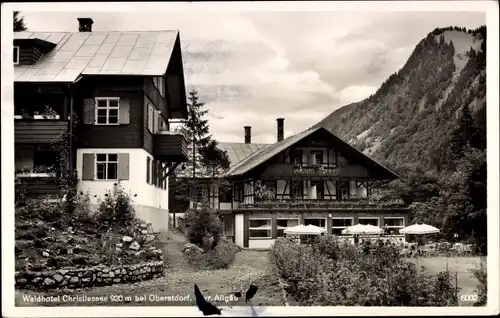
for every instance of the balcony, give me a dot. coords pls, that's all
(38, 130)
(286, 170)
(353, 204)
(170, 146)
(37, 182)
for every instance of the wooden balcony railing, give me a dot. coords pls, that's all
(325, 204)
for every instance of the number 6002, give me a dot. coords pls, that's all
(468, 298)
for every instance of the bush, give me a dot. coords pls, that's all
(222, 256)
(202, 225)
(116, 209)
(333, 273)
(482, 287)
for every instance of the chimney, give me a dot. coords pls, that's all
(248, 134)
(280, 128)
(85, 24)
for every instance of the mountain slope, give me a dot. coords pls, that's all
(410, 117)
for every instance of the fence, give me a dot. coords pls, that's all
(460, 272)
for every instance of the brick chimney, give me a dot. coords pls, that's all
(85, 24)
(280, 128)
(248, 134)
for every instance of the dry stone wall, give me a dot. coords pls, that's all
(88, 277)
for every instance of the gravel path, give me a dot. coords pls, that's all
(176, 287)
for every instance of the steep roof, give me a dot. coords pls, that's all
(98, 53)
(267, 153)
(264, 154)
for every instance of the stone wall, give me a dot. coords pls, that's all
(88, 277)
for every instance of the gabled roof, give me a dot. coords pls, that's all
(235, 151)
(267, 153)
(264, 154)
(239, 151)
(98, 53)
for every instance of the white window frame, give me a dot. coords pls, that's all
(270, 229)
(284, 227)
(392, 226)
(369, 218)
(107, 108)
(317, 218)
(106, 162)
(16, 62)
(341, 227)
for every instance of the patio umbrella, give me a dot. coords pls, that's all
(305, 230)
(362, 229)
(419, 229)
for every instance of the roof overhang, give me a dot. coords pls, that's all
(42, 45)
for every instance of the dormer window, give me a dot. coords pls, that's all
(16, 55)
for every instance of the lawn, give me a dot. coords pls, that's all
(459, 265)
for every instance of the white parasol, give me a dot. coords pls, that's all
(362, 229)
(419, 229)
(305, 230)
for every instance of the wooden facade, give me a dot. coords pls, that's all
(39, 131)
(317, 179)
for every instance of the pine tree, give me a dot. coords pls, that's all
(19, 24)
(197, 129)
(462, 136)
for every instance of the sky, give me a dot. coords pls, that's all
(253, 67)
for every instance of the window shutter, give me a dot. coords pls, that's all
(155, 121)
(124, 111)
(88, 166)
(148, 170)
(123, 166)
(153, 168)
(150, 118)
(89, 111)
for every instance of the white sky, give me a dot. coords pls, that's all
(253, 67)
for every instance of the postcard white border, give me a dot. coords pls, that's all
(7, 130)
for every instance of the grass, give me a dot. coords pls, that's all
(459, 265)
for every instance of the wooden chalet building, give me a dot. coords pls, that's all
(123, 87)
(313, 177)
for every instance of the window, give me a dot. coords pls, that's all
(16, 55)
(259, 228)
(298, 190)
(225, 195)
(283, 224)
(338, 224)
(107, 110)
(392, 225)
(297, 157)
(321, 222)
(344, 193)
(320, 189)
(238, 192)
(107, 166)
(318, 156)
(368, 221)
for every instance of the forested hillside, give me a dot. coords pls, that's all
(428, 123)
(411, 116)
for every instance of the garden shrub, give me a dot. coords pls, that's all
(336, 273)
(482, 286)
(222, 256)
(203, 224)
(116, 209)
